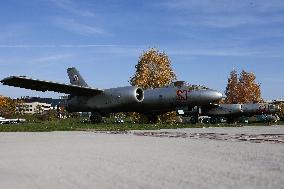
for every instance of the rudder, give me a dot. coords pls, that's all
(76, 78)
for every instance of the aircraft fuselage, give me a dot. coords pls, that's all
(156, 101)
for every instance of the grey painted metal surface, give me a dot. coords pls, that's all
(260, 108)
(169, 98)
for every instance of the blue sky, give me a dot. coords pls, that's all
(205, 40)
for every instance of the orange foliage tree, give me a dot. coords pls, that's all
(281, 112)
(7, 107)
(249, 89)
(152, 71)
(242, 89)
(232, 88)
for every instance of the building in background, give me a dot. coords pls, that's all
(32, 105)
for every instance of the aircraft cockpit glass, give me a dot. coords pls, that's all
(179, 83)
(198, 87)
(185, 84)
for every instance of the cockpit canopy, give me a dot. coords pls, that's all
(185, 84)
(180, 83)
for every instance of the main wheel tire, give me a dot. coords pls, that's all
(96, 117)
(152, 118)
(231, 121)
(213, 120)
(193, 120)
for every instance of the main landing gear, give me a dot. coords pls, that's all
(96, 117)
(152, 118)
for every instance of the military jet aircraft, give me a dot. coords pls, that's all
(233, 111)
(151, 102)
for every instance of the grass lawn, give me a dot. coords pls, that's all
(78, 125)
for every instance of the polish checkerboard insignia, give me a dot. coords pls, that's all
(75, 78)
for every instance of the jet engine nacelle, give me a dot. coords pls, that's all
(129, 94)
(115, 100)
(225, 109)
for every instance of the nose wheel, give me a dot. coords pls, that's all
(96, 117)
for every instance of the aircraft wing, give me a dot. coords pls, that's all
(40, 85)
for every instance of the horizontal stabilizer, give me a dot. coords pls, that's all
(40, 85)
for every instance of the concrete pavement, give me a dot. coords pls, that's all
(140, 160)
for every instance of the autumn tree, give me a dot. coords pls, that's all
(281, 112)
(7, 107)
(232, 88)
(152, 71)
(242, 89)
(249, 89)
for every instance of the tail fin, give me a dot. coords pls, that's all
(76, 78)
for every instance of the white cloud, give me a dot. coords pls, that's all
(71, 7)
(58, 46)
(238, 51)
(13, 31)
(221, 6)
(226, 13)
(52, 58)
(79, 28)
(217, 21)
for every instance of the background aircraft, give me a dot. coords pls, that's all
(11, 121)
(151, 102)
(232, 112)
